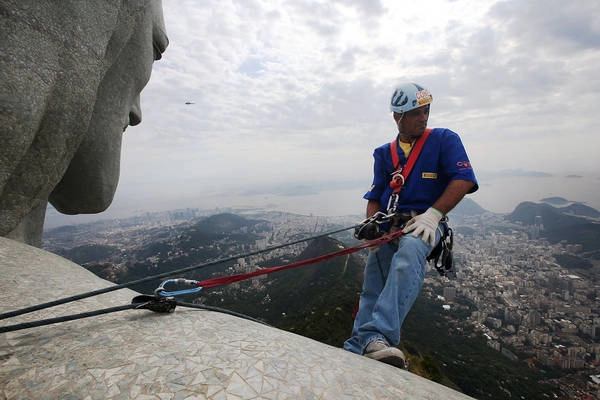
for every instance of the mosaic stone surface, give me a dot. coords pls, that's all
(187, 354)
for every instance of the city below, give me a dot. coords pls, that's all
(534, 301)
(526, 303)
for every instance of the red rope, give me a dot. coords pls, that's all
(224, 280)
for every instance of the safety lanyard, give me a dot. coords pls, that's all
(401, 174)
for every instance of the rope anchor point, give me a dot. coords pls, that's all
(159, 304)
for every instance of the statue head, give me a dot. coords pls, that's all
(73, 73)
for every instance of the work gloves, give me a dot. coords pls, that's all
(425, 225)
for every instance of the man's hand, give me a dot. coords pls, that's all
(425, 225)
(367, 230)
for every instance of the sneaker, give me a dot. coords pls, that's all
(380, 350)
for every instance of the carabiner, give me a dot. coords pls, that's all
(160, 291)
(393, 203)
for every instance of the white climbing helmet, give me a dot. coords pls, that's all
(409, 96)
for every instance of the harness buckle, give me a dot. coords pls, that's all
(397, 180)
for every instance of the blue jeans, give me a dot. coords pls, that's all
(393, 279)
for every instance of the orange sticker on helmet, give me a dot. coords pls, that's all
(423, 97)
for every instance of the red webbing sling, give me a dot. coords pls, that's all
(401, 174)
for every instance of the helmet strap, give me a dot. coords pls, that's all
(398, 121)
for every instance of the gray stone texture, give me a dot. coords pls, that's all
(188, 354)
(71, 72)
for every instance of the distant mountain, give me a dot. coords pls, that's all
(555, 201)
(326, 293)
(582, 210)
(572, 207)
(225, 223)
(506, 173)
(564, 223)
(467, 208)
(553, 217)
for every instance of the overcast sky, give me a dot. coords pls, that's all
(291, 97)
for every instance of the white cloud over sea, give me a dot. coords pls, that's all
(290, 97)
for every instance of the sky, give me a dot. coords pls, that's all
(290, 97)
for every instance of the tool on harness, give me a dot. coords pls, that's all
(155, 303)
(441, 256)
(400, 174)
(369, 228)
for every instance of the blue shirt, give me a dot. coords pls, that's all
(443, 159)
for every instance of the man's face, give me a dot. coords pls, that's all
(414, 122)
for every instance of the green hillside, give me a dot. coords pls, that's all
(314, 300)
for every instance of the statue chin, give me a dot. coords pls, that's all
(88, 185)
(85, 192)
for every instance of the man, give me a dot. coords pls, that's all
(439, 179)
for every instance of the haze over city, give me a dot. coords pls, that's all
(281, 103)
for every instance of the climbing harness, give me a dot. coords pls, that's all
(401, 173)
(441, 255)
(370, 227)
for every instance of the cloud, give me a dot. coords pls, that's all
(552, 27)
(298, 90)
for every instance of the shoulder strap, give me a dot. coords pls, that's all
(397, 182)
(394, 151)
(416, 150)
(414, 153)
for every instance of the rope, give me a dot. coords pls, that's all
(109, 289)
(210, 283)
(73, 317)
(221, 310)
(49, 321)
